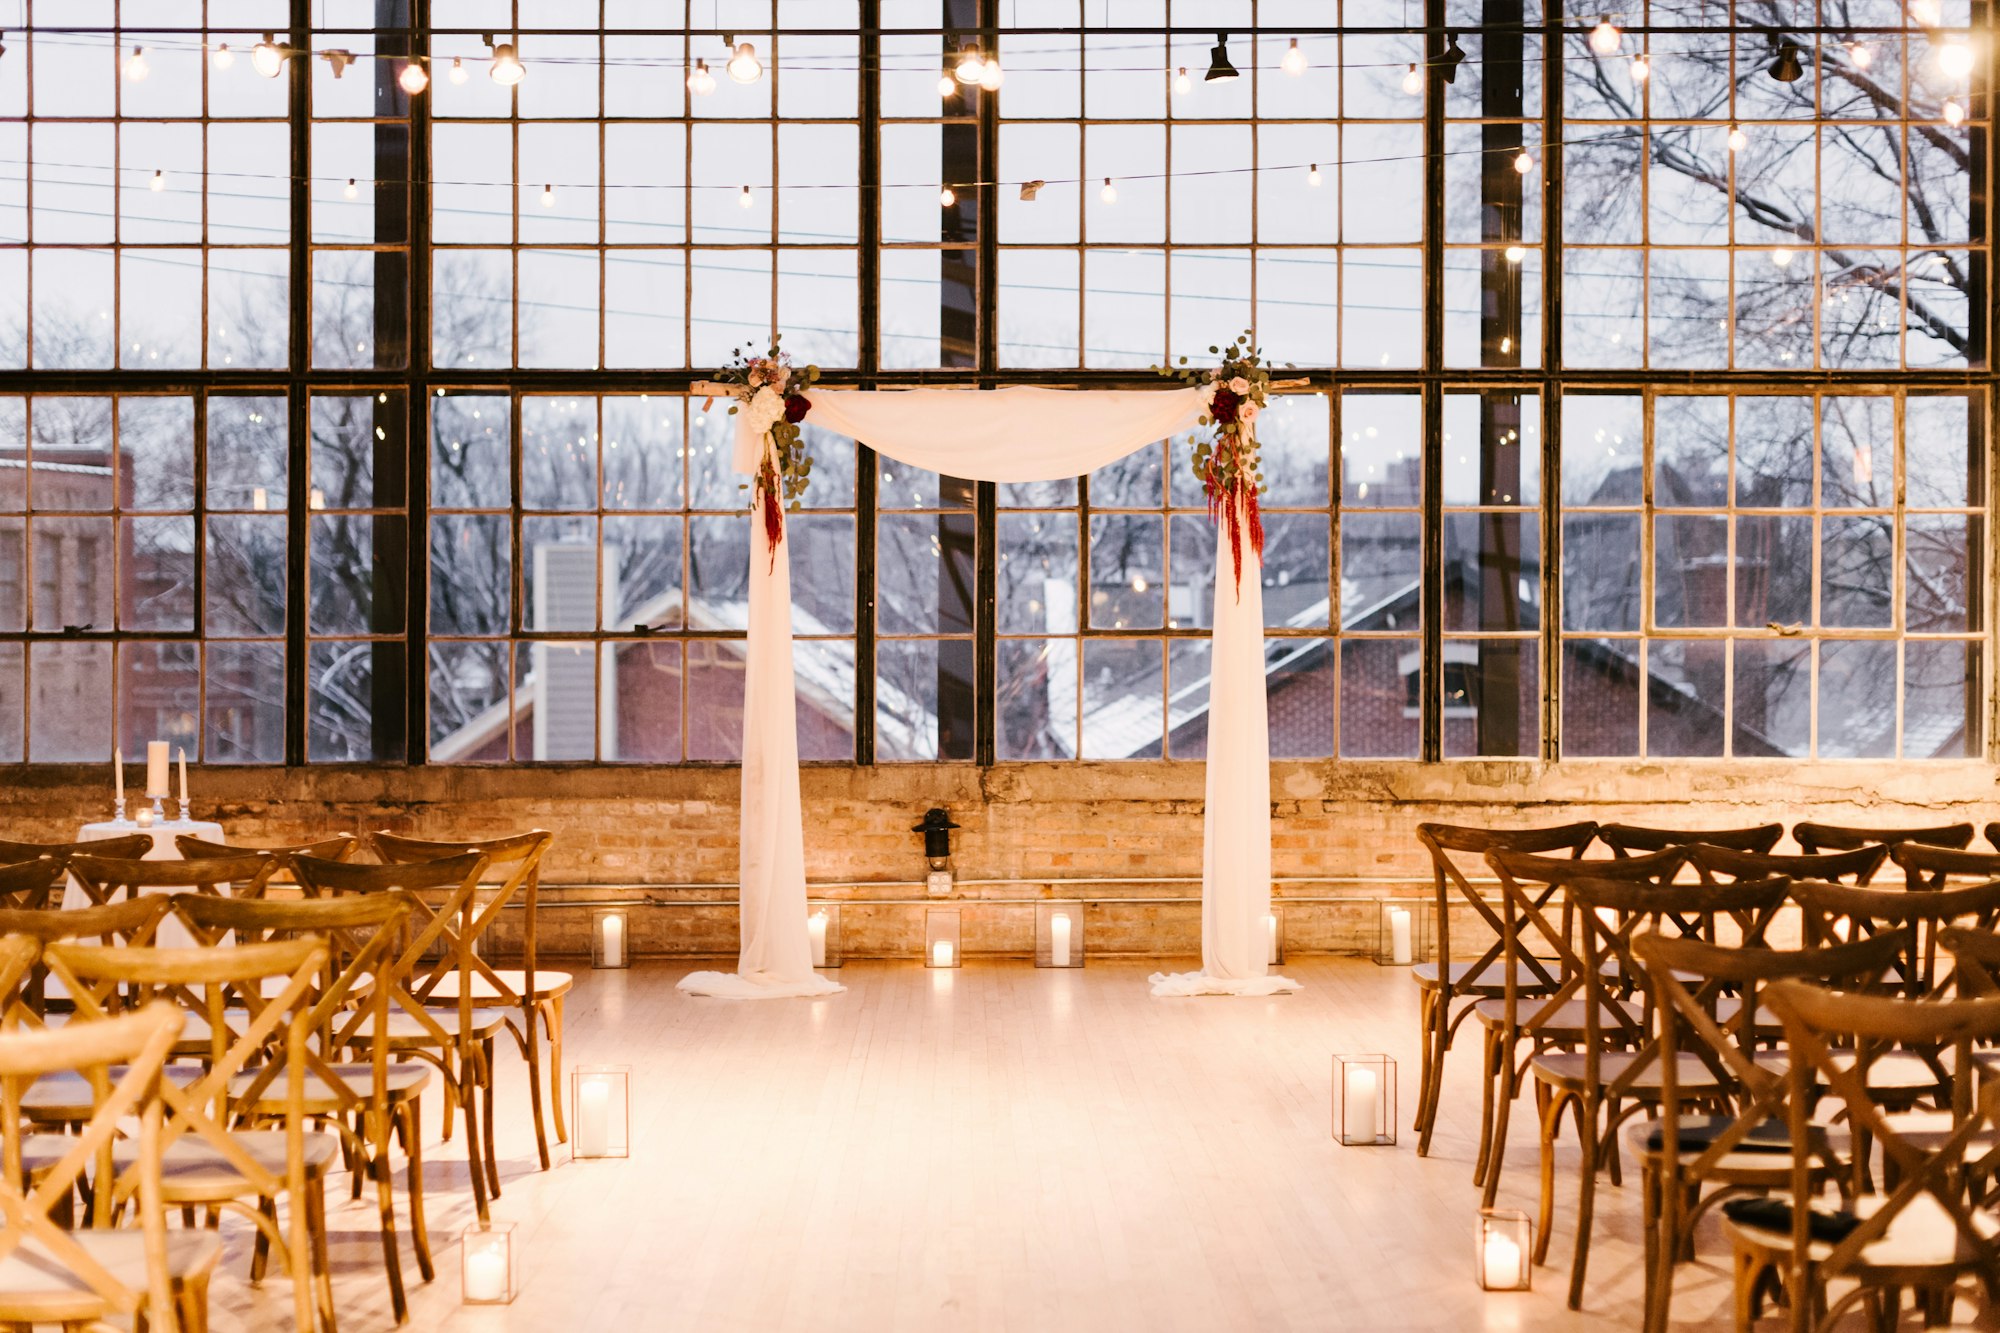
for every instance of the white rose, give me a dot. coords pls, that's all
(765, 408)
(1239, 386)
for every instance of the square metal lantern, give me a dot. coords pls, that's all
(1504, 1250)
(486, 1264)
(1059, 934)
(1274, 935)
(1405, 931)
(941, 938)
(1364, 1100)
(823, 933)
(610, 937)
(600, 1111)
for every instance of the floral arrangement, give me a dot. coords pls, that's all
(770, 393)
(1227, 465)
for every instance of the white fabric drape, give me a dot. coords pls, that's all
(1002, 435)
(775, 957)
(1236, 818)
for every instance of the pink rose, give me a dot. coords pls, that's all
(1239, 386)
(1249, 414)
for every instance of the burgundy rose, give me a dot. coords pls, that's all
(796, 407)
(1223, 409)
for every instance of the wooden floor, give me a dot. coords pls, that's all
(997, 1148)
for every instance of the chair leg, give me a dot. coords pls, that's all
(468, 1097)
(532, 1048)
(486, 1094)
(321, 1265)
(1743, 1269)
(392, 1259)
(453, 1077)
(552, 1012)
(1417, 1121)
(1439, 1044)
(1504, 1092)
(260, 1253)
(1551, 1119)
(191, 1304)
(1660, 1221)
(1586, 1132)
(420, 1234)
(1489, 1074)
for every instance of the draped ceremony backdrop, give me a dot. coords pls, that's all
(1009, 435)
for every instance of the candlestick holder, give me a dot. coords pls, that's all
(183, 803)
(1364, 1101)
(1503, 1247)
(941, 938)
(823, 934)
(159, 810)
(486, 1264)
(118, 810)
(600, 1111)
(1059, 934)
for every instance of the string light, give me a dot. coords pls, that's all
(136, 68)
(1642, 68)
(1738, 140)
(352, 191)
(1413, 80)
(1524, 162)
(222, 57)
(1182, 84)
(946, 198)
(458, 74)
(969, 66)
(990, 77)
(158, 183)
(946, 84)
(506, 68)
(1516, 253)
(1312, 176)
(414, 78)
(1926, 12)
(548, 196)
(1294, 62)
(744, 67)
(1955, 58)
(700, 82)
(267, 57)
(1605, 39)
(1782, 257)
(1860, 55)
(1954, 114)
(745, 199)
(1109, 194)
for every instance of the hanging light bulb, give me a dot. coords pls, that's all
(946, 198)
(136, 68)
(946, 84)
(700, 82)
(268, 58)
(414, 78)
(1642, 68)
(1219, 68)
(222, 57)
(1294, 62)
(746, 199)
(1860, 55)
(505, 68)
(1782, 257)
(159, 181)
(1312, 176)
(1605, 38)
(1524, 162)
(992, 76)
(353, 191)
(969, 66)
(458, 74)
(1738, 140)
(1109, 194)
(1182, 84)
(548, 196)
(1926, 12)
(1413, 80)
(1955, 58)
(1954, 114)
(744, 67)
(1516, 253)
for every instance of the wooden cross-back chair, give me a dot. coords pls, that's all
(132, 922)
(207, 1160)
(1627, 839)
(370, 1103)
(1447, 990)
(1618, 1072)
(1816, 838)
(1539, 963)
(538, 992)
(337, 848)
(1726, 864)
(1928, 867)
(458, 1040)
(130, 847)
(1739, 1144)
(30, 884)
(1922, 1234)
(50, 1273)
(105, 879)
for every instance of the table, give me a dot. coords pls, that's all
(172, 934)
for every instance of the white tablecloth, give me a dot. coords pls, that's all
(172, 934)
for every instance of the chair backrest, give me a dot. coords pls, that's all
(1837, 912)
(1625, 839)
(1816, 838)
(130, 847)
(518, 856)
(28, 884)
(1832, 1039)
(1928, 867)
(107, 878)
(1723, 864)
(120, 1059)
(131, 921)
(339, 847)
(1446, 842)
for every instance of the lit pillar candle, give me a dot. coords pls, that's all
(941, 953)
(1399, 935)
(1502, 1261)
(816, 932)
(1271, 929)
(183, 762)
(614, 940)
(156, 768)
(1363, 1104)
(486, 1274)
(593, 1118)
(1059, 939)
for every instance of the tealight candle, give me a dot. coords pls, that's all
(143, 817)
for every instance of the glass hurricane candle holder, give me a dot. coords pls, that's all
(1404, 931)
(823, 933)
(486, 1264)
(600, 1111)
(941, 939)
(1504, 1248)
(1364, 1100)
(610, 937)
(1059, 934)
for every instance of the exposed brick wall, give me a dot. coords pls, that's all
(669, 835)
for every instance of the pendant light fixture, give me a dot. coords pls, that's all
(700, 82)
(969, 65)
(1453, 57)
(743, 66)
(1785, 66)
(1605, 38)
(268, 58)
(506, 68)
(1219, 68)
